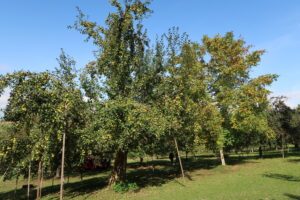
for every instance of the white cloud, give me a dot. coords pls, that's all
(3, 68)
(4, 98)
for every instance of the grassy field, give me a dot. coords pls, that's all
(243, 178)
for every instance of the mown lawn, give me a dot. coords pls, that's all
(243, 178)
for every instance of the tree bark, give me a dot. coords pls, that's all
(180, 163)
(62, 167)
(222, 157)
(119, 169)
(28, 181)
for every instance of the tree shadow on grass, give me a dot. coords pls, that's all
(159, 172)
(294, 160)
(71, 189)
(267, 155)
(282, 177)
(152, 173)
(292, 196)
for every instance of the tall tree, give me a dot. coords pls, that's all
(69, 113)
(295, 125)
(229, 62)
(280, 120)
(120, 66)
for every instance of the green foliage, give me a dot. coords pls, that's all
(42, 107)
(125, 187)
(124, 125)
(295, 126)
(242, 100)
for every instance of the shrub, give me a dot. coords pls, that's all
(125, 187)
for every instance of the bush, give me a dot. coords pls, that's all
(125, 187)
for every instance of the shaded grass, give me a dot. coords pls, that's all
(245, 177)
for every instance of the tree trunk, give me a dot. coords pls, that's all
(282, 146)
(52, 181)
(222, 157)
(141, 160)
(260, 152)
(119, 169)
(57, 175)
(62, 167)
(17, 180)
(39, 181)
(28, 181)
(186, 155)
(181, 167)
(81, 175)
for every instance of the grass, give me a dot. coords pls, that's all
(243, 178)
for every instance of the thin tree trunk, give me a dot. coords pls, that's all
(41, 181)
(282, 146)
(38, 181)
(260, 152)
(62, 167)
(141, 160)
(28, 181)
(57, 175)
(52, 181)
(81, 175)
(222, 157)
(180, 163)
(16, 187)
(119, 169)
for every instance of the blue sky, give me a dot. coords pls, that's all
(33, 32)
